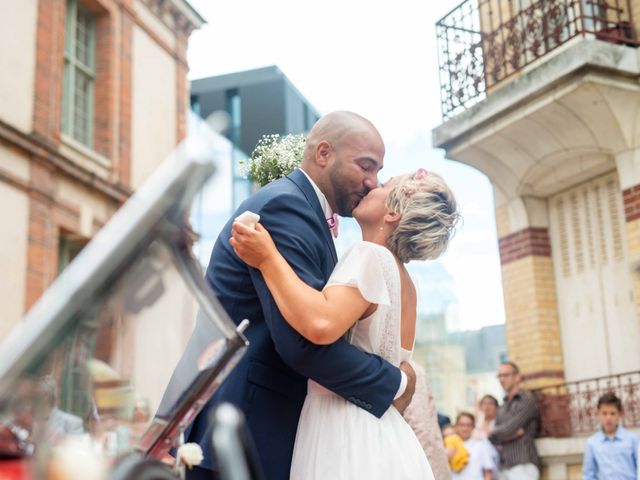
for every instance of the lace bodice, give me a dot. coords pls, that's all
(372, 269)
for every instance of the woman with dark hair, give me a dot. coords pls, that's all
(488, 407)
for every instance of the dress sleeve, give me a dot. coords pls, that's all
(364, 267)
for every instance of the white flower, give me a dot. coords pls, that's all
(274, 157)
(190, 454)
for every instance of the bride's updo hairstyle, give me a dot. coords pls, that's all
(428, 216)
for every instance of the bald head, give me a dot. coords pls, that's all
(335, 128)
(343, 154)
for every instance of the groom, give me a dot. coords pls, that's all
(342, 157)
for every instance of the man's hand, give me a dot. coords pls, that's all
(402, 402)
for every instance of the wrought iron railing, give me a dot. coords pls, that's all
(571, 408)
(482, 42)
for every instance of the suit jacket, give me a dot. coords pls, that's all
(269, 383)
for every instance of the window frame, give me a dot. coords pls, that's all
(73, 68)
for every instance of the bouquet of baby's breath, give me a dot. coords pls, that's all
(274, 157)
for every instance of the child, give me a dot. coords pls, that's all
(457, 452)
(611, 452)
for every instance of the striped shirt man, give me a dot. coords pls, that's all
(515, 430)
(514, 433)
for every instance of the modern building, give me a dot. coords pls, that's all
(258, 102)
(543, 98)
(255, 103)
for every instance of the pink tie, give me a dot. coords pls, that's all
(332, 222)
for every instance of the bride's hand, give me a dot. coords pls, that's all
(254, 247)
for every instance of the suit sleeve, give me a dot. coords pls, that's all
(362, 378)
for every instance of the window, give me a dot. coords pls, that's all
(69, 246)
(241, 185)
(234, 108)
(195, 105)
(79, 73)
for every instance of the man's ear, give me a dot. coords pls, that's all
(323, 153)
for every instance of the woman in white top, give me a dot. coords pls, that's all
(488, 407)
(371, 297)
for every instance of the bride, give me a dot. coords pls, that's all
(371, 298)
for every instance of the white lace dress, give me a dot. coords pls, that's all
(336, 439)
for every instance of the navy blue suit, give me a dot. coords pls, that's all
(270, 382)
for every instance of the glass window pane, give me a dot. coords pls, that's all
(78, 83)
(82, 38)
(81, 107)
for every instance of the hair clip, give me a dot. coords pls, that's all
(420, 174)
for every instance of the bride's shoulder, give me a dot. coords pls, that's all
(376, 249)
(365, 246)
(368, 251)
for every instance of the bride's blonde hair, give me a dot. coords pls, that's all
(428, 216)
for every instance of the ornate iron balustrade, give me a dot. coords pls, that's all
(571, 408)
(482, 42)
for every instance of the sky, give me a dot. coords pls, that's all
(379, 59)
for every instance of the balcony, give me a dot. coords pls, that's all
(483, 42)
(570, 409)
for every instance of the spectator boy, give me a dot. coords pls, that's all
(612, 451)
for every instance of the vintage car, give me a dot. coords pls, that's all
(83, 376)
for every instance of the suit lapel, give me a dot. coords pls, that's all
(302, 182)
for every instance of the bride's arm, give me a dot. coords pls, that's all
(320, 317)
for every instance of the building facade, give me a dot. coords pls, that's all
(542, 97)
(83, 121)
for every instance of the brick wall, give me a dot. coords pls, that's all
(49, 70)
(532, 324)
(105, 93)
(123, 173)
(525, 243)
(631, 202)
(47, 218)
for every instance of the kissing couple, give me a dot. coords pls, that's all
(326, 376)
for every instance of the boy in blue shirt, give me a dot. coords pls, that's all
(611, 453)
